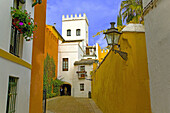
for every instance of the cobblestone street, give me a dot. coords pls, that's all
(67, 104)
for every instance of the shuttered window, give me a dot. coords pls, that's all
(65, 64)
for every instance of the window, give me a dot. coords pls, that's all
(12, 93)
(82, 74)
(68, 32)
(82, 87)
(77, 32)
(87, 51)
(65, 64)
(82, 68)
(16, 41)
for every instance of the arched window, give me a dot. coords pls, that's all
(77, 32)
(68, 32)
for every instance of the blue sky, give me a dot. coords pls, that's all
(99, 13)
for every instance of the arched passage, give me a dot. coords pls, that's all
(65, 89)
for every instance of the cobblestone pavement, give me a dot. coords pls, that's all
(68, 104)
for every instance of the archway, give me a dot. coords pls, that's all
(65, 89)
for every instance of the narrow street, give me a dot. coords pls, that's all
(68, 104)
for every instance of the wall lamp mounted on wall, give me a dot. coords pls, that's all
(112, 38)
(36, 2)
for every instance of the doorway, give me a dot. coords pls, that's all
(65, 90)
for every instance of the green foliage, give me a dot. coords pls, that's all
(23, 21)
(119, 20)
(49, 74)
(51, 95)
(132, 11)
(100, 32)
(57, 83)
(49, 66)
(48, 96)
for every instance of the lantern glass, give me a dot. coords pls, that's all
(109, 38)
(116, 38)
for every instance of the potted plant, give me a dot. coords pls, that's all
(22, 20)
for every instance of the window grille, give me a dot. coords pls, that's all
(65, 64)
(12, 93)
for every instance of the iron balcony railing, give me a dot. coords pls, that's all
(81, 74)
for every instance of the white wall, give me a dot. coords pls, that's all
(157, 26)
(73, 53)
(87, 57)
(5, 29)
(80, 52)
(5, 23)
(8, 68)
(77, 82)
(74, 23)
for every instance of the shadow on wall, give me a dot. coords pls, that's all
(121, 86)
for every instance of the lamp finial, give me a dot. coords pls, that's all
(112, 24)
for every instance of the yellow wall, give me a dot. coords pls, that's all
(36, 94)
(121, 86)
(101, 54)
(51, 45)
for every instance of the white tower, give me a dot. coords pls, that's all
(75, 28)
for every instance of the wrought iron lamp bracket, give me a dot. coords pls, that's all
(124, 55)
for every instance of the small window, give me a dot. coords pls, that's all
(12, 93)
(16, 42)
(65, 64)
(82, 68)
(81, 87)
(68, 32)
(78, 32)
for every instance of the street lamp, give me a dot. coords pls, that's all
(112, 37)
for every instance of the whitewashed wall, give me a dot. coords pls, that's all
(73, 23)
(5, 29)
(77, 82)
(157, 26)
(73, 53)
(8, 68)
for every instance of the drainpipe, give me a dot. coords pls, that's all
(36, 2)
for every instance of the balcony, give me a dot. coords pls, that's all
(81, 74)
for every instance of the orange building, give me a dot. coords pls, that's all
(36, 90)
(52, 37)
(46, 42)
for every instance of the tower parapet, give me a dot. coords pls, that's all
(75, 17)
